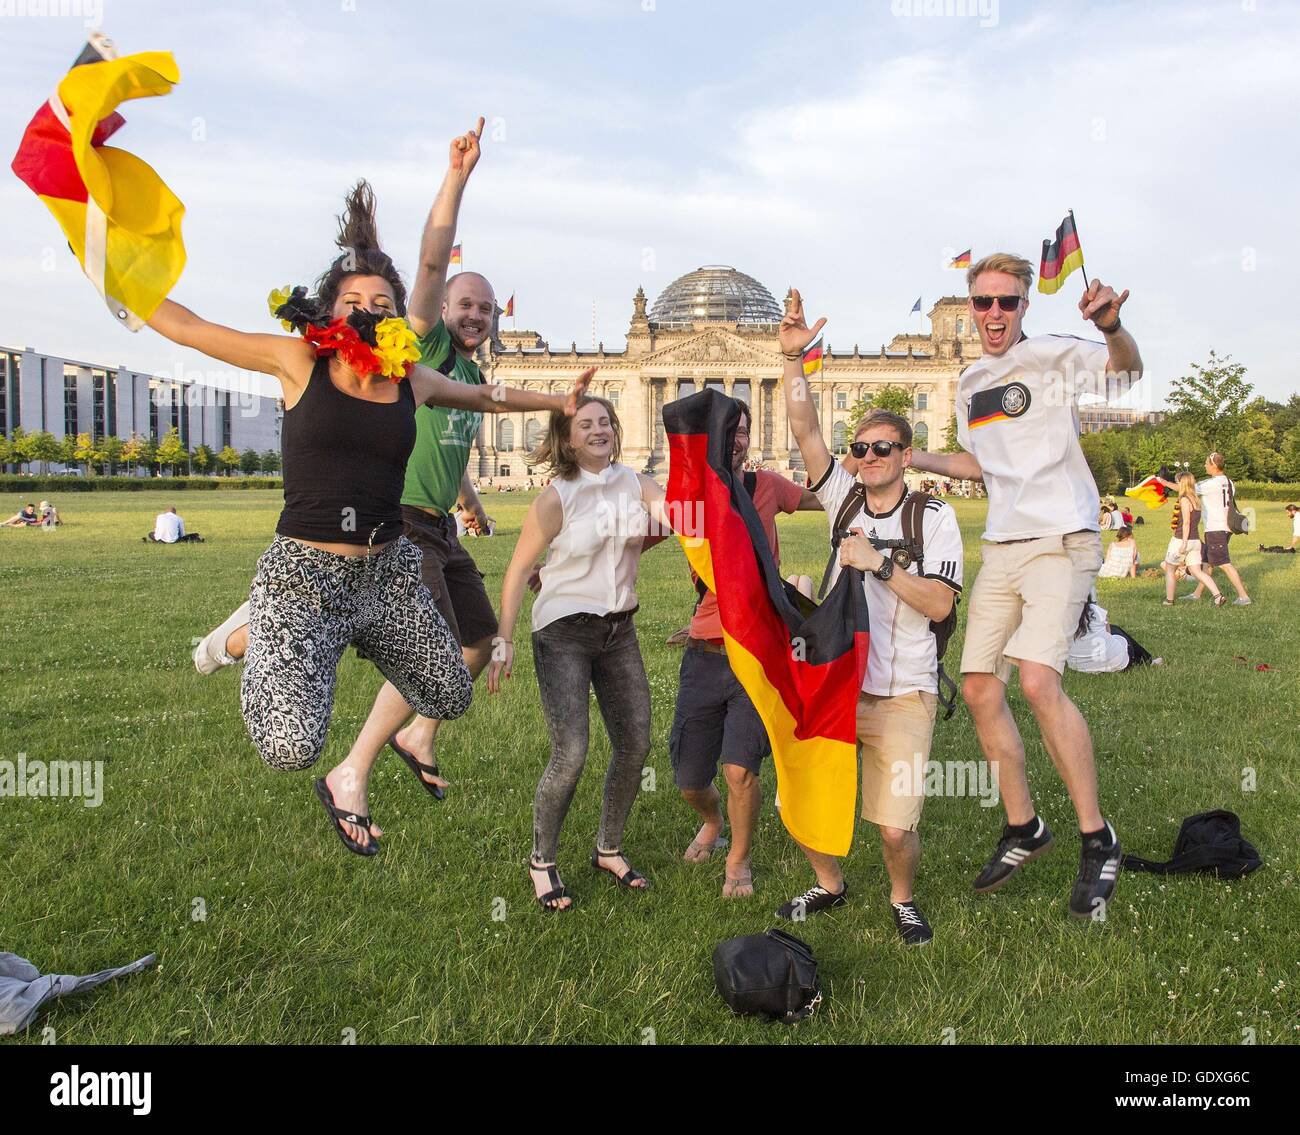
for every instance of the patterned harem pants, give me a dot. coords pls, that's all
(305, 608)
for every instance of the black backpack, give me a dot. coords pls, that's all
(914, 538)
(1209, 843)
(772, 974)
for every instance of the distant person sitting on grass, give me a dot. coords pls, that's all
(1293, 514)
(1121, 557)
(1100, 647)
(169, 528)
(49, 515)
(25, 517)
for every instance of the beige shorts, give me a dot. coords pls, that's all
(1026, 602)
(894, 744)
(1192, 559)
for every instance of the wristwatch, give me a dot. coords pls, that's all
(885, 570)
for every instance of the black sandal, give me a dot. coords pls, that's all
(408, 759)
(558, 890)
(338, 816)
(628, 877)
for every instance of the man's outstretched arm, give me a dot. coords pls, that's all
(425, 307)
(1100, 306)
(955, 466)
(799, 408)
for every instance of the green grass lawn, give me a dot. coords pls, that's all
(438, 938)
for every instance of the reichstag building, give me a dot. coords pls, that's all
(717, 328)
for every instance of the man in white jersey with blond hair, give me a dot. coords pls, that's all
(1018, 425)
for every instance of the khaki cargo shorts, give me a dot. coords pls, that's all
(1026, 602)
(894, 735)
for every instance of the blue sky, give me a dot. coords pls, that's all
(845, 148)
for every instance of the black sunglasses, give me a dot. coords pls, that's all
(1005, 303)
(880, 448)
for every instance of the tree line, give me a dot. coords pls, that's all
(107, 456)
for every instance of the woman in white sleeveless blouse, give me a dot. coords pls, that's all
(592, 521)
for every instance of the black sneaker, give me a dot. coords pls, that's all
(812, 901)
(1013, 852)
(1098, 872)
(911, 923)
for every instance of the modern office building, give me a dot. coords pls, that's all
(66, 397)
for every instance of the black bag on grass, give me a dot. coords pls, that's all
(772, 974)
(1210, 843)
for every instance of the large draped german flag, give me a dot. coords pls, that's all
(802, 671)
(122, 223)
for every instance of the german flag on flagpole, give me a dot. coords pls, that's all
(803, 674)
(961, 260)
(456, 256)
(812, 358)
(510, 306)
(1060, 257)
(122, 223)
(1149, 490)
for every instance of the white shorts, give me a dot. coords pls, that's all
(1191, 559)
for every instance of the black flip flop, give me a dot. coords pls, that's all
(408, 759)
(337, 815)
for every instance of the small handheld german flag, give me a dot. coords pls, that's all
(961, 260)
(812, 358)
(1060, 257)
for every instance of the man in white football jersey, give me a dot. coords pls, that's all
(899, 695)
(1217, 496)
(1018, 425)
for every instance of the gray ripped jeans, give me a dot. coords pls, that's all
(571, 656)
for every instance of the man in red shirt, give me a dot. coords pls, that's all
(715, 722)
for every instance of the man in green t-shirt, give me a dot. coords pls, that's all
(452, 319)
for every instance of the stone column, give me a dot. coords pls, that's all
(781, 450)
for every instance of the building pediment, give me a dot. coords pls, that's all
(722, 347)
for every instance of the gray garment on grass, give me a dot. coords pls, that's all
(24, 989)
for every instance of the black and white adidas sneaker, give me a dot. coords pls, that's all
(1099, 861)
(1013, 852)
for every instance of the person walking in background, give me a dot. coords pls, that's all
(1217, 496)
(1184, 549)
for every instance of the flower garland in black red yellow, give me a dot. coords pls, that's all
(366, 343)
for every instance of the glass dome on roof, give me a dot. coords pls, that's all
(714, 292)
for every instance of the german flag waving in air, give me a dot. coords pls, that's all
(122, 223)
(803, 673)
(1149, 490)
(1060, 257)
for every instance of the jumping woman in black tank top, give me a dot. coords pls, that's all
(340, 572)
